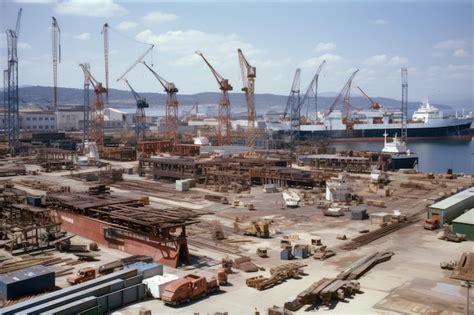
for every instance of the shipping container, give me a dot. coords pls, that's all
(27, 281)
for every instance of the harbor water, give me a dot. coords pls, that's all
(433, 156)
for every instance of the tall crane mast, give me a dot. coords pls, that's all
(292, 108)
(140, 117)
(171, 121)
(97, 110)
(404, 75)
(13, 111)
(373, 104)
(86, 117)
(56, 41)
(224, 123)
(105, 33)
(345, 95)
(312, 90)
(249, 73)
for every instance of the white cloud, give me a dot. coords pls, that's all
(376, 60)
(325, 47)
(94, 8)
(158, 17)
(451, 71)
(460, 53)
(316, 61)
(126, 25)
(36, 1)
(450, 44)
(83, 36)
(20, 45)
(183, 45)
(397, 61)
(378, 21)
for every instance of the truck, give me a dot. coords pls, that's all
(188, 288)
(82, 275)
(431, 224)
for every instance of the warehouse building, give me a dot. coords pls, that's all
(450, 208)
(464, 224)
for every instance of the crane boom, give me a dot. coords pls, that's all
(168, 86)
(249, 73)
(18, 20)
(345, 95)
(216, 74)
(373, 104)
(295, 89)
(140, 59)
(313, 88)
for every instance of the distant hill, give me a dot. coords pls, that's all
(42, 95)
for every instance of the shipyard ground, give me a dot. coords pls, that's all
(411, 282)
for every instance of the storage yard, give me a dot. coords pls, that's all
(320, 255)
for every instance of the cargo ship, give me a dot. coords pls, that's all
(427, 122)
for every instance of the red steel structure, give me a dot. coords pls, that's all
(223, 126)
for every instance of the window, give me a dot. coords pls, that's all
(52, 118)
(46, 118)
(34, 118)
(28, 118)
(34, 127)
(40, 118)
(40, 126)
(46, 127)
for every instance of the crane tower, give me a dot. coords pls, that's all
(249, 74)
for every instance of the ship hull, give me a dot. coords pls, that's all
(454, 132)
(404, 161)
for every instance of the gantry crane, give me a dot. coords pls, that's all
(373, 103)
(140, 117)
(224, 123)
(249, 73)
(293, 110)
(97, 110)
(105, 33)
(345, 95)
(404, 75)
(56, 41)
(11, 76)
(171, 121)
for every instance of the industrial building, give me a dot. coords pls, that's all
(450, 208)
(464, 224)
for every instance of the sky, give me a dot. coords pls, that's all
(433, 39)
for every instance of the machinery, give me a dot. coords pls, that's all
(188, 288)
(171, 107)
(312, 92)
(345, 95)
(83, 275)
(249, 74)
(96, 133)
(258, 229)
(431, 224)
(224, 132)
(140, 117)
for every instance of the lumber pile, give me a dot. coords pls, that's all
(277, 275)
(10, 266)
(340, 287)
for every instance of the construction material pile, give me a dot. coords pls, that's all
(344, 285)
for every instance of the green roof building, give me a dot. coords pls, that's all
(464, 224)
(450, 208)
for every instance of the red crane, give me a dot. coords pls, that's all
(171, 121)
(97, 110)
(345, 94)
(373, 104)
(223, 124)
